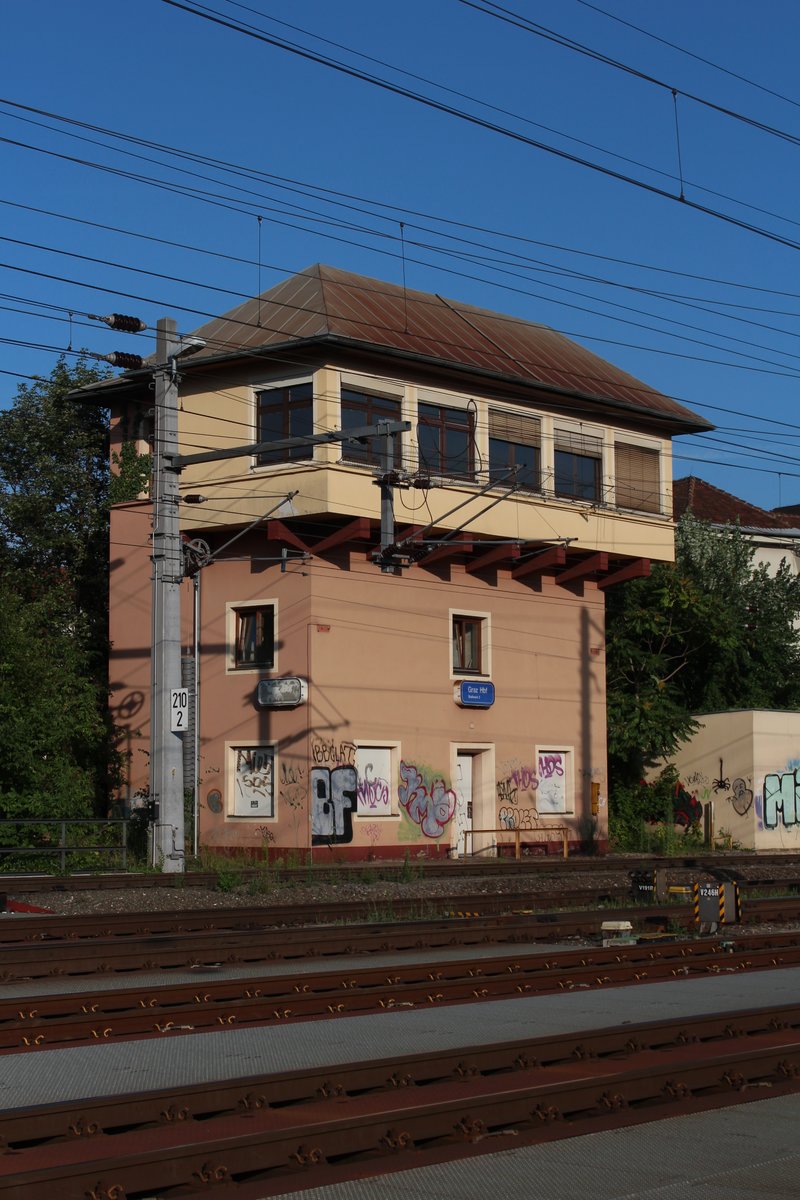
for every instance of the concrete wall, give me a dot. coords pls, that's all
(746, 766)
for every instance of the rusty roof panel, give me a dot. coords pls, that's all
(325, 302)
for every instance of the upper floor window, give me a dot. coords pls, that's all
(578, 462)
(446, 438)
(636, 470)
(515, 449)
(254, 644)
(468, 649)
(368, 408)
(285, 412)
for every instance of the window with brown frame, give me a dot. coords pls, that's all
(368, 408)
(446, 440)
(515, 449)
(254, 646)
(468, 650)
(285, 412)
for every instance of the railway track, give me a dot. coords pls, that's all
(90, 946)
(142, 1010)
(534, 866)
(263, 1135)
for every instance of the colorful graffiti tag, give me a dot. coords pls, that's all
(430, 809)
(782, 799)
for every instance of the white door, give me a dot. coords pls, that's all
(462, 818)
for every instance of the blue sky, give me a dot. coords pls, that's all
(694, 305)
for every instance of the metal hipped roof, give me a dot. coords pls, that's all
(326, 303)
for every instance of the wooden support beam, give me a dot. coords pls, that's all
(553, 556)
(447, 550)
(359, 529)
(495, 555)
(638, 569)
(278, 532)
(587, 566)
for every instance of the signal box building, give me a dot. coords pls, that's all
(432, 688)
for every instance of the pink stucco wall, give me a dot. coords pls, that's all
(376, 652)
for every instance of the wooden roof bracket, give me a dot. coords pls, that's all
(639, 568)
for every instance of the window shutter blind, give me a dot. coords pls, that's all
(637, 478)
(514, 427)
(578, 443)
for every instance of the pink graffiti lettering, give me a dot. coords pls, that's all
(550, 765)
(373, 792)
(430, 810)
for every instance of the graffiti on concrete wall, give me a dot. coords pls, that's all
(333, 800)
(551, 796)
(781, 800)
(374, 790)
(333, 787)
(253, 781)
(515, 780)
(687, 810)
(430, 806)
(293, 795)
(326, 752)
(741, 799)
(518, 818)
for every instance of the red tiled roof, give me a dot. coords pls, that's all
(326, 303)
(710, 503)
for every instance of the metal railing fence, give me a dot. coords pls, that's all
(50, 840)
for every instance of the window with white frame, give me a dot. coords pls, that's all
(637, 477)
(252, 781)
(555, 791)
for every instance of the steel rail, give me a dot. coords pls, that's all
(406, 1112)
(395, 871)
(43, 1022)
(162, 951)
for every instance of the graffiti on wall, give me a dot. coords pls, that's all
(293, 794)
(515, 779)
(333, 784)
(429, 807)
(781, 802)
(741, 800)
(253, 781)
(518, 818)
(551, 796)
(545, 787)
(686, 808)
(326, 752)
(333, 800)
(373, 790)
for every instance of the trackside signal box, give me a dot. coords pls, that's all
(716, 904)
(649, 885)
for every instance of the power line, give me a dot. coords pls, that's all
(690, 54)
(214, 17)
(323, 193)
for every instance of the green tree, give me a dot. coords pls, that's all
(51, 726)
(57, 741)
(54, 489)
(709, 633)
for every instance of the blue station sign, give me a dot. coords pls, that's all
(473, 694)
